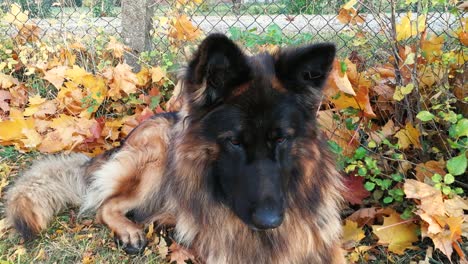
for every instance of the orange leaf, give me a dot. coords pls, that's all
(122, 79)
(339, 80)
(118, 49)
(428, 169)
(179, 254)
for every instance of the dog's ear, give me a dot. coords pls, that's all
(301, 69)
(218, 67)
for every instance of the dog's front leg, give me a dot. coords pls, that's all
(127, 233)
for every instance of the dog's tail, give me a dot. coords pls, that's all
(45, 189)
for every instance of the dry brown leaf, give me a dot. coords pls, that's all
(427, 170)
(5, 97)
(179, 254)
(431, 198)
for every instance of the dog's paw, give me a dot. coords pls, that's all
(132, 241)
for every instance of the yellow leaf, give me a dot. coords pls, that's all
(56, 76)
(349, 4)
(432, 47)
(7, 81)
(408, 136)
(455, 206)
(396, 233)
(402, 91)
(13, 129)
(157, 74)
(407, 27)
(118, 49)
(33, 139)
(182, 29)
(352, 234)
(431, 198)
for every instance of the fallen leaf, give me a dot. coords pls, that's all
(408, 136)
(56, 76)
(396, 233)
(5, 97)
(431, 198)
(179, 254)
(352, 234)
(427, 170)
(355, 192)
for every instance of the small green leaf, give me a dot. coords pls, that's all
(461, 129)
(369, 186)
(459, 190)
(388, 199)
(362, 171)
(437, 177)
(449, 179)
(397, 177)
(446, 190)
(457, 165)
(343, 66)
(360, 153)
(438, 186)
(425, 116)
(372, 144)
(335, 148)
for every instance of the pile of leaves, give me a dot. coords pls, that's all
(398, 128)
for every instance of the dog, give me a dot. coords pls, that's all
(242, 171)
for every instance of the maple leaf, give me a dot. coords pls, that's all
(432, 47)
(350, 16)
(408, 136)
(118, 49)
(355, 191)
(40, 107)
(396, 233)
(352, 234)
(179, 254)
(122, 79)
(12, 129)
(5, 97)
(7, 81)
(157, 74)
(364, 215)
(427, 170)
(431, 198)
(56, 76)
(182, 29)
(387, 130)
(407, 28)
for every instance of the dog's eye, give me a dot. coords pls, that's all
(235, 142)
(280, 140)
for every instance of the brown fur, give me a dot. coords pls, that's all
(159, 172)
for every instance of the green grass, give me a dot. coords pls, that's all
(67, 239)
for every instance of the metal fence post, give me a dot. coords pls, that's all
(136, 26)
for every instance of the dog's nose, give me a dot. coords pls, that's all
(267, 218)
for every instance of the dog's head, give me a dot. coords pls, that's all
(254, 111)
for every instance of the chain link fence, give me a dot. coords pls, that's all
(251, 21)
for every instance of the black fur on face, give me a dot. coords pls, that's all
(255, 109)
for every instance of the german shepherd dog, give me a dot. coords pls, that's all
(241, 171)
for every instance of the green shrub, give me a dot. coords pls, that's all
(37, 8)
